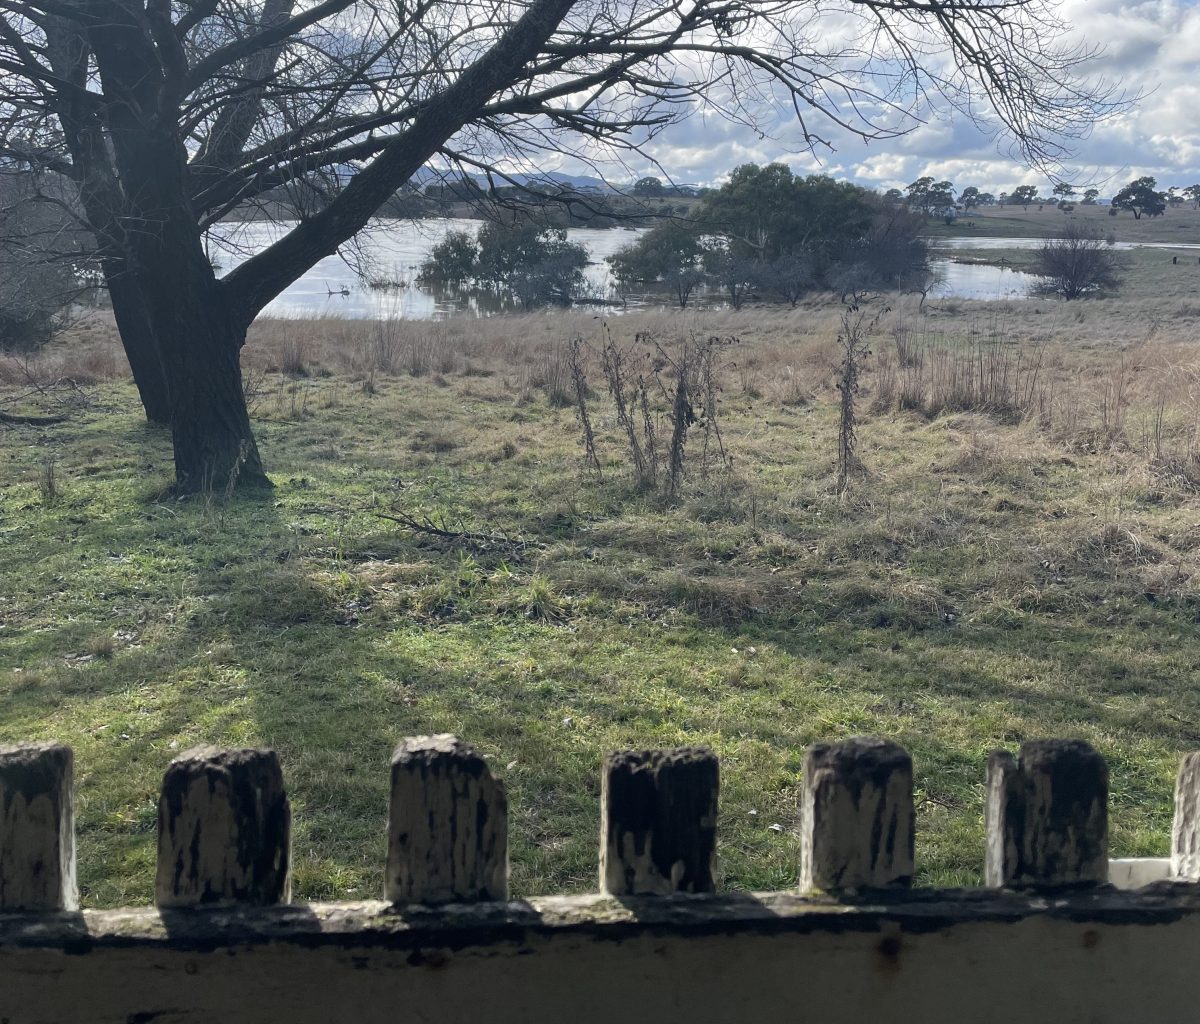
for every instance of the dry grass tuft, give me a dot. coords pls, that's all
(1115, 546)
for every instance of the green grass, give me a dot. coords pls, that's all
(979, 587)
(1179, 225)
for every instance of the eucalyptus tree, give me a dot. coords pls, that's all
(170, 115)
(1141, 196)
(1024, 195)
(672, 254)
(929, 196)
(769, 212)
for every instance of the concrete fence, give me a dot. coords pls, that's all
(1060, 934)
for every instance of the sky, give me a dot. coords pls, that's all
(1151, 47)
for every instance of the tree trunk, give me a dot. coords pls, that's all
(100, 194)
(195, 330)
(199, 340)
(195, 323)
(138, 340)
(214, 445)
(198, 337)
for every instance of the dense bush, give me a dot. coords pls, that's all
(768, 232)
(453, 260)
(536, 264)
(670, 254)
(1078, 263)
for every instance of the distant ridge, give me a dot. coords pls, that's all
(583, 182)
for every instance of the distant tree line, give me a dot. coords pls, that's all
(770, 234)
(766, 233)
(649, 199)
(773, 235)
(933, 198)
(551, 203)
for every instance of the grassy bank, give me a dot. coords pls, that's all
(1178, 226)
(1018, 558)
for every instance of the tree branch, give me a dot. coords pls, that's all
(268, 37)
(253, 284)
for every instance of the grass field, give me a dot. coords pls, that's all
(1178, 225)
(1018, 558)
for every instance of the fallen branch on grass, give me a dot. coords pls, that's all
(31, 421)
(444, 530)
(62, 392)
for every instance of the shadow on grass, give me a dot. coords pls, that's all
(143, 627)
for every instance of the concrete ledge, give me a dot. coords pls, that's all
(375, 923)
(935, 956)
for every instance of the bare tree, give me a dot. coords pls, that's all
(41, 254)
(1078, 263)
(172, 114)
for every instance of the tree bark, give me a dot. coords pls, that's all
(100, 194)
(198, 338)
(138, 340)
(198, 335)
(214, 444)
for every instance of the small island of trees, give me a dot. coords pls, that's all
(536, 264)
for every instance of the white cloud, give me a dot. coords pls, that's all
(1151, 47)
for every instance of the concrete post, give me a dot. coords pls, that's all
(1185, 832)
(447, 825)
(857, 823)
(658, 821)
(224, 829)
(1047, 815)
(37, 828)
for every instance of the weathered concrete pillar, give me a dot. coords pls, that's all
(37, 828)
(1185, 833)
(447, 825)
(658, 821)
(857, 827)
(224, 829)
(1047, 815)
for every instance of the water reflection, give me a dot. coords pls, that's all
(389, 255)
(982, 281)
(377, 276)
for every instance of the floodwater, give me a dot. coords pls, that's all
(988, 282)
(981, 281)
(389, 253)
(1036, 243)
